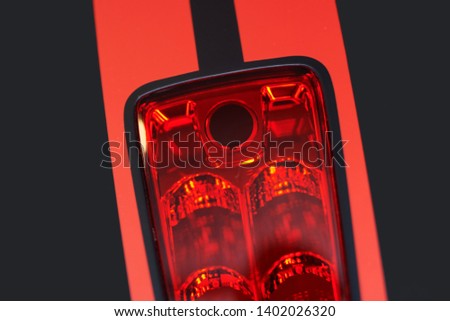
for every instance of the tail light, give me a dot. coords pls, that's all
(242, 202)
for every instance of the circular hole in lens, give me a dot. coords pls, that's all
(231, 124)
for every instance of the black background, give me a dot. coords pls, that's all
(59, 232)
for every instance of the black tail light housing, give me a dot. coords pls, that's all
(241, 192)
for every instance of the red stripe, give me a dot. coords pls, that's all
(138, 42)
(270, 29)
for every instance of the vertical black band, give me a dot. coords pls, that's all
(216, 35)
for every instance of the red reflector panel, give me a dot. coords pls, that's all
(243, 205)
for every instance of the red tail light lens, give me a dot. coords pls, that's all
(242, 203)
